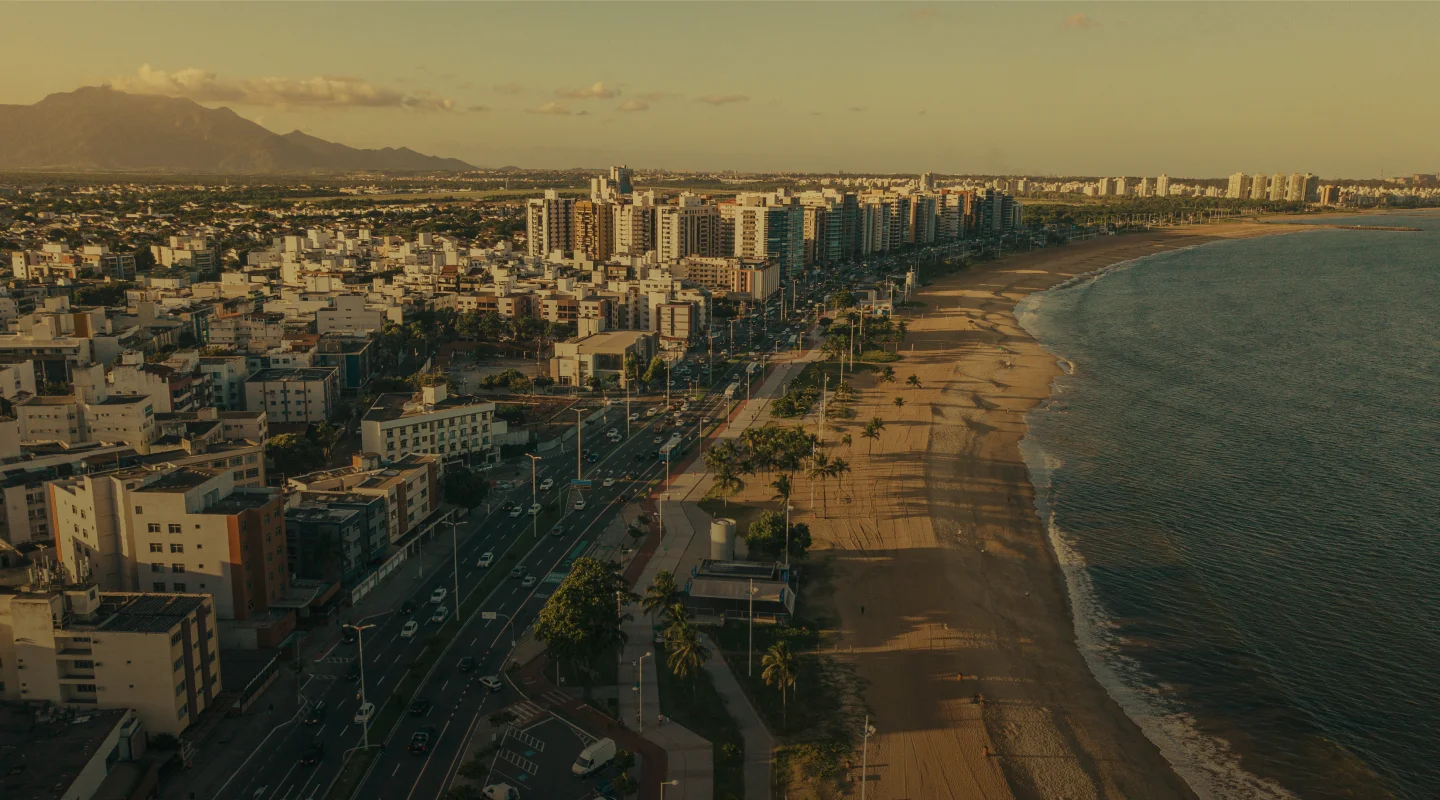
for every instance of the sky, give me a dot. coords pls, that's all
(1135, 88)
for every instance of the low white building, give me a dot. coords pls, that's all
(431, 423)
(293, 395)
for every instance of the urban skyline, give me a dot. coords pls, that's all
(1147, 87)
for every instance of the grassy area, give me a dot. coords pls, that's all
(388, 713)
(696, 704)
(879, 357)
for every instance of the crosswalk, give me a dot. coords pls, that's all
(340, 660)
(525, 712)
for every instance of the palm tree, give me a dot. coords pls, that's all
(913, 381)
(727, 481)
(870, 432)
(899, 402)
(783, 488)
(778, 665)
(675, 617)
(838, 468)
(819, 470)
(888, 375)
(685, 652)
(661, 593)
(846, 440)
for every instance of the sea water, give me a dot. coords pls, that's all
(1241, 474)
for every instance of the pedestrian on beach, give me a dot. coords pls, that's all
(862, 610)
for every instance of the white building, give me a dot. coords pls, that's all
(349, 315)
(431, 423)
(301, 395)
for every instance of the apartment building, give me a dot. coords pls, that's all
(82, 750)
(90, 415)
(635, 225)
(293, 395)
(410, 487)
(601, 355)
(350, 315)
(79, 647)
(431, 422)
(767, 232)
(192, 252)
(594, 229)
(549, 224)
(175, 529)
(691, 227)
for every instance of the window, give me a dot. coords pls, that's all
(156, 547)
(87, 688)
(253, 472)
(176, 547)
(177, 568)
(179, 665)
(139, 510)
(83, 663)
(177, 637)
(158, 568)
(174, 528)
(183, 712)
(180, 587)
(158, 586)
(239, 475)
(153, 527)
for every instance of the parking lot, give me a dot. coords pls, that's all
(537, 760)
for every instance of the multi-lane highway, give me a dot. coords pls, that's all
(457, 699)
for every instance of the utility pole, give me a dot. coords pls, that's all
(579, 423)
(455, 564)
(534, 517)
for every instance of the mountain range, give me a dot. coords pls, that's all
(97, 128)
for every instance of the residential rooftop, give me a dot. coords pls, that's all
(390, 407)
(40, 760)
(292, 374)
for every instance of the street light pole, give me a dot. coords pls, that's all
(663, 784)
(534, 517)
(360, 634)
(455, 563)
(750, 657)
(579, 423)
(640, 677)
(865, 755)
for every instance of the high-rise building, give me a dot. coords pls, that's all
(635, 225)
(999, 212)
(1257, 188)
(1329, 195)
(621, 177)
(1239, 186)
(1145, 188)
(1122, 188)
(923, 213)
(1295, 188)
(549, 224)
(594, 229)
(1277, 187)
(691, 227)
(927, 181)
(1162, 186)
(774, 232)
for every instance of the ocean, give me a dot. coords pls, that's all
(1241, 474)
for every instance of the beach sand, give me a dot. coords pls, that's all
(959, 577)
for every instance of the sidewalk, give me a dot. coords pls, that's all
(759, 744)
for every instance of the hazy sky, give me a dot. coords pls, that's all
(1339, 89)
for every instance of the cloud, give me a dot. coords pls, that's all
(723, 99)
(1078, 22)
(924, 14)
(551, 107)
(595, 91)
(634, 105)
(330, 91)
(478, 108)
(509, 88)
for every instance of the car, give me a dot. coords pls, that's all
(593, 457)
(535, 510)
(500, 791)
(547, 484)
(486, 559)
(467, 664)
(516, 511)
(411, 628)
(654, 453)
(652, 411)
(492, 682)
(347, 635)
(441, 614)
(353, 674)
(364, 713)
(608, 482)
(634, 416)
(613, 432)
(438, 596)
(317, 713)
(313, 753)
(408, 607)
(420, 741)
(527, 582)
(419, 707)
(517, 572)
(508, 505)
(558, 530)
(579, 504)
(658, 440)
(639, 456)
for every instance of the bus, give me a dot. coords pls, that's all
(732, 390)
(753, 368)
(671, 449)
(793, 342)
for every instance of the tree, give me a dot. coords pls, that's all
(839, 467)
(661, 593)
(899, 402)
(102, 294)
(846, 440)
(819, 471)
(685, 653)
(725, 462)
(657, 366)
(582, 619)
(464, 487)
(783, 489)
(913, 381)
(778, 670)
(888, 375)
(293, 454)
(766, 536)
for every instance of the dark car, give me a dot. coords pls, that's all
(353, 674)
(419, 707)
(467, 664)
(507, 505)
(317, 713)
(518, 572)
(407, 607)
(639, 456)
(592, 458)
(347, 635)
(420, 741)
(313, 753)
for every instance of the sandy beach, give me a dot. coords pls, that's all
(945, 581)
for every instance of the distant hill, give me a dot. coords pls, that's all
(98, 128)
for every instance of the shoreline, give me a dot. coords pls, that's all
(966, 594)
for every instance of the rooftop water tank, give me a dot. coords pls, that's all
(722, 539)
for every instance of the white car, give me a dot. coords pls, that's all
(613, 432)
(547, 484)
(438, 596)
(658, 440)
(486, 559)
(517, 511)
(528, 582)
(634, 416)
(364, 713)
(441, 614)
(535, 509)
(650, 412)
(410, 629)
(579, 504)
(492, 682)
(608, 482)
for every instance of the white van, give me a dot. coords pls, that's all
(594, 757)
